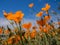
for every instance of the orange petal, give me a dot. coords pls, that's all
(1, 31)
(39, 14)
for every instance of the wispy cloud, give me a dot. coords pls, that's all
(4, 22)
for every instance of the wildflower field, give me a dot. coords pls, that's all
(43, 33)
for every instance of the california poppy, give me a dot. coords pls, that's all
(40, 28)
(48, 27)
(33, 33)
(12, 40)
(41, 22)
(19, 14)
(1, 31)
(58, 23)
(31, 5)
(6, 31)
(18, 37)
(45, 30)
(46, 8)
(27, 25)
(47, 17)
(39, 14)
(17, 17)
(9, 41)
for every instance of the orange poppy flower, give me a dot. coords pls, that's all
(34, 30)
(27, 25)
(46, 8)
(9, 41)
(47, 18)
(18, 37)
(9, 16)
(16, 20)
(17, 17)
(59, 23)
(1, 31)
(31, 5)
(19, 14)
(45, 30)
(43, 9)
(6, 31)
(15, 41)
(40, 28)
(41, 22)
(49, 27)
(39, 14)
(33, 33)
(12, 40)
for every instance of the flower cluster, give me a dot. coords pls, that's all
(44, 33)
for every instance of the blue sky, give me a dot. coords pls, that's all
(15, 5)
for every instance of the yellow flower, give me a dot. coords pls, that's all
(39, 14)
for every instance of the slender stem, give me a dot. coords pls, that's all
(21, 33)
